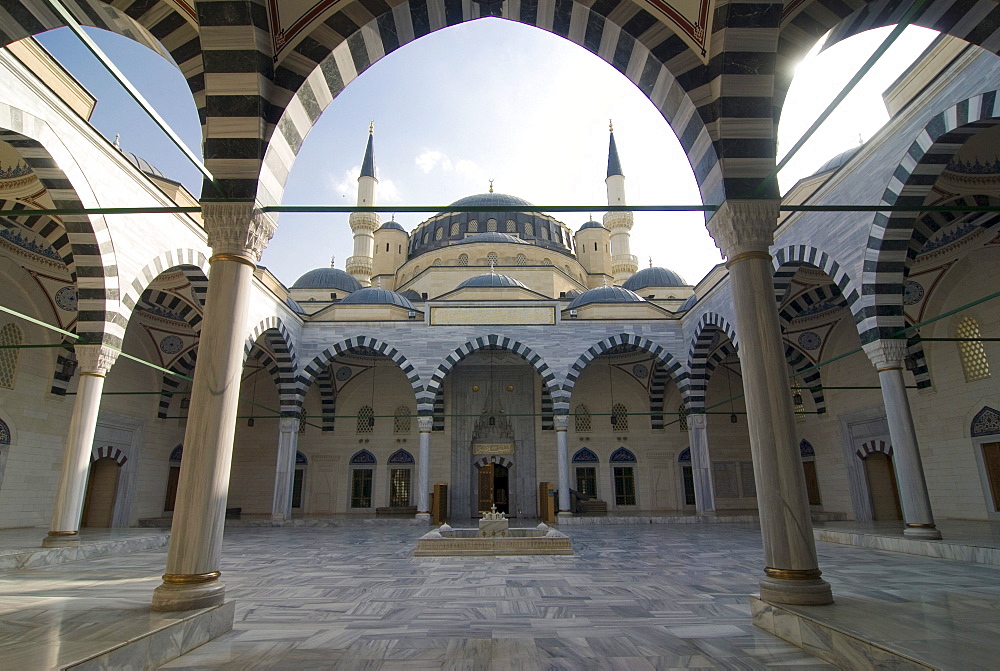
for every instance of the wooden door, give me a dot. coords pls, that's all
(486, 488)
(991, 459)
(102, 485)
(882, 487)
(171, 498)
(812, 482)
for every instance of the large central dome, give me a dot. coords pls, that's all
(488, 200)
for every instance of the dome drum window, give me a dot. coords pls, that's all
(521, 260)
(463, 260)
(455, 229)
(439, 233)
(491, 225)
(473, 226)
(511, 226)
(492, 258)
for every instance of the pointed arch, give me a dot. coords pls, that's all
(892, 243)
(985, 423)
(672, 366)
(501, 342)
(192, 262)
(110, 452)
(787, 261)
(363, 457)
(874, 446)
(282, 352)
(585, 456)
(705, 355)
(171, 383)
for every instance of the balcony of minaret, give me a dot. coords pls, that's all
(359, 266)
(613, 220)
(364, 221)
(624, 263)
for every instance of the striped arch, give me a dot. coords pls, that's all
(327, 399)
(819, 298)
(893, 241)
(874, 446)
(49, 228)
(657, 395)
(501, 342)
(350, 39)
(705, 356)
(548, 417)
(192, 262)
(171, 383)
(788, 260)
(915, 349)
(322, 361)
(108, 451)
(175, 304)
(811, 377)
(168, 28)
(281, 352)
(92, 258)
(671, 366)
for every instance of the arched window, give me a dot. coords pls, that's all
(401, 420)
(473, 226)
(682, 417)
(623, 465)
(427, 236)
(492, 258)
(547, 261)
(545, 232)
(529, 229)
(463, 259)
(439, 233)
(511, 226)
(400, 477)
(366, 419)
(971, 351)
(4, 433)
(454, 229)
(362, 478)
(582, 419)
(619, 417)
(585, 463)
(437, 262)
(521, 260)
(491, 225)
(10, 334)
(687, 476)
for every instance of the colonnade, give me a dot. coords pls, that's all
(238, 233)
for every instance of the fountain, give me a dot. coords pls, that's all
(494, 537)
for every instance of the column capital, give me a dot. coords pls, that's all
(425, 424)
(288, 425)
(95, 359)
(237, 228)
(741, 226)
(886, 353)
(697, 421)
(561, 422)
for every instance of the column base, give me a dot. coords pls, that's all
(926, 532)
(796, 591)
(426, 517)
(173, 596)
(61, 539)
(563, 514)
(277, 519)
(708, 513)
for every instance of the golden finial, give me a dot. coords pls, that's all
(651, 262)
(611, 127)
(491, 186)
(371, 127)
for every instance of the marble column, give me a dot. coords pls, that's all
(887, 357)
(701, 464)
(562, 453)
(237, 233)
(94, 362)
(284, 470)
(424, 425)
(743, 230)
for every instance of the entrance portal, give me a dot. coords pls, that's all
(494, 488)
(102, 486)
(882, 486)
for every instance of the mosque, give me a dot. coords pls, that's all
(837, 366)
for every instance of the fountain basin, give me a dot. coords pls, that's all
(448, 542)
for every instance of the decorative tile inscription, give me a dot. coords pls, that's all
(471, 316)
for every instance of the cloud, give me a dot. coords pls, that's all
(345, 187)
(430, 159)
(464, 169)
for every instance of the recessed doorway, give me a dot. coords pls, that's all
(882, 487)
(494, 488)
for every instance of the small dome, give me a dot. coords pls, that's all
(491, 280)
(572, 293)
(142, 164)
(606, 295)
(295, 307)
(485, 201)
(412, 295)
(327, 278)
(376, 296)
(592, 224)
(391, 226)
(654, 277)
(490, 237)
(838, 160)
(688, 304)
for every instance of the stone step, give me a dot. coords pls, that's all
(93, 543)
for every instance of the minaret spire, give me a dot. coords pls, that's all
(623, 263)
(363, 224)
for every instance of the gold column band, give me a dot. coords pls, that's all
(238, 258)
(89, 374)
(921, 525)
(190, 578)
(63, 533)
(887, 368)
(746, 256)
(792, 574)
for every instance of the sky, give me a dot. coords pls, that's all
(491, 99)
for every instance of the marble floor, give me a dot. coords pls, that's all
(632, 597)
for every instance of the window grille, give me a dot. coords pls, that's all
(401, 420)
(624, 486)
(522, 260)
(682, 417)
(973, 354)
(454, 229)
(529, 229)
(473, 226)
(10, 334)
(492, 258)
(463, 260)
(619, 417)
(491, 225)
(582, 419)
(511, 226)
(366, 419)
(439, 233)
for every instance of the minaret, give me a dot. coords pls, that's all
(363, 224)
(623, 263)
